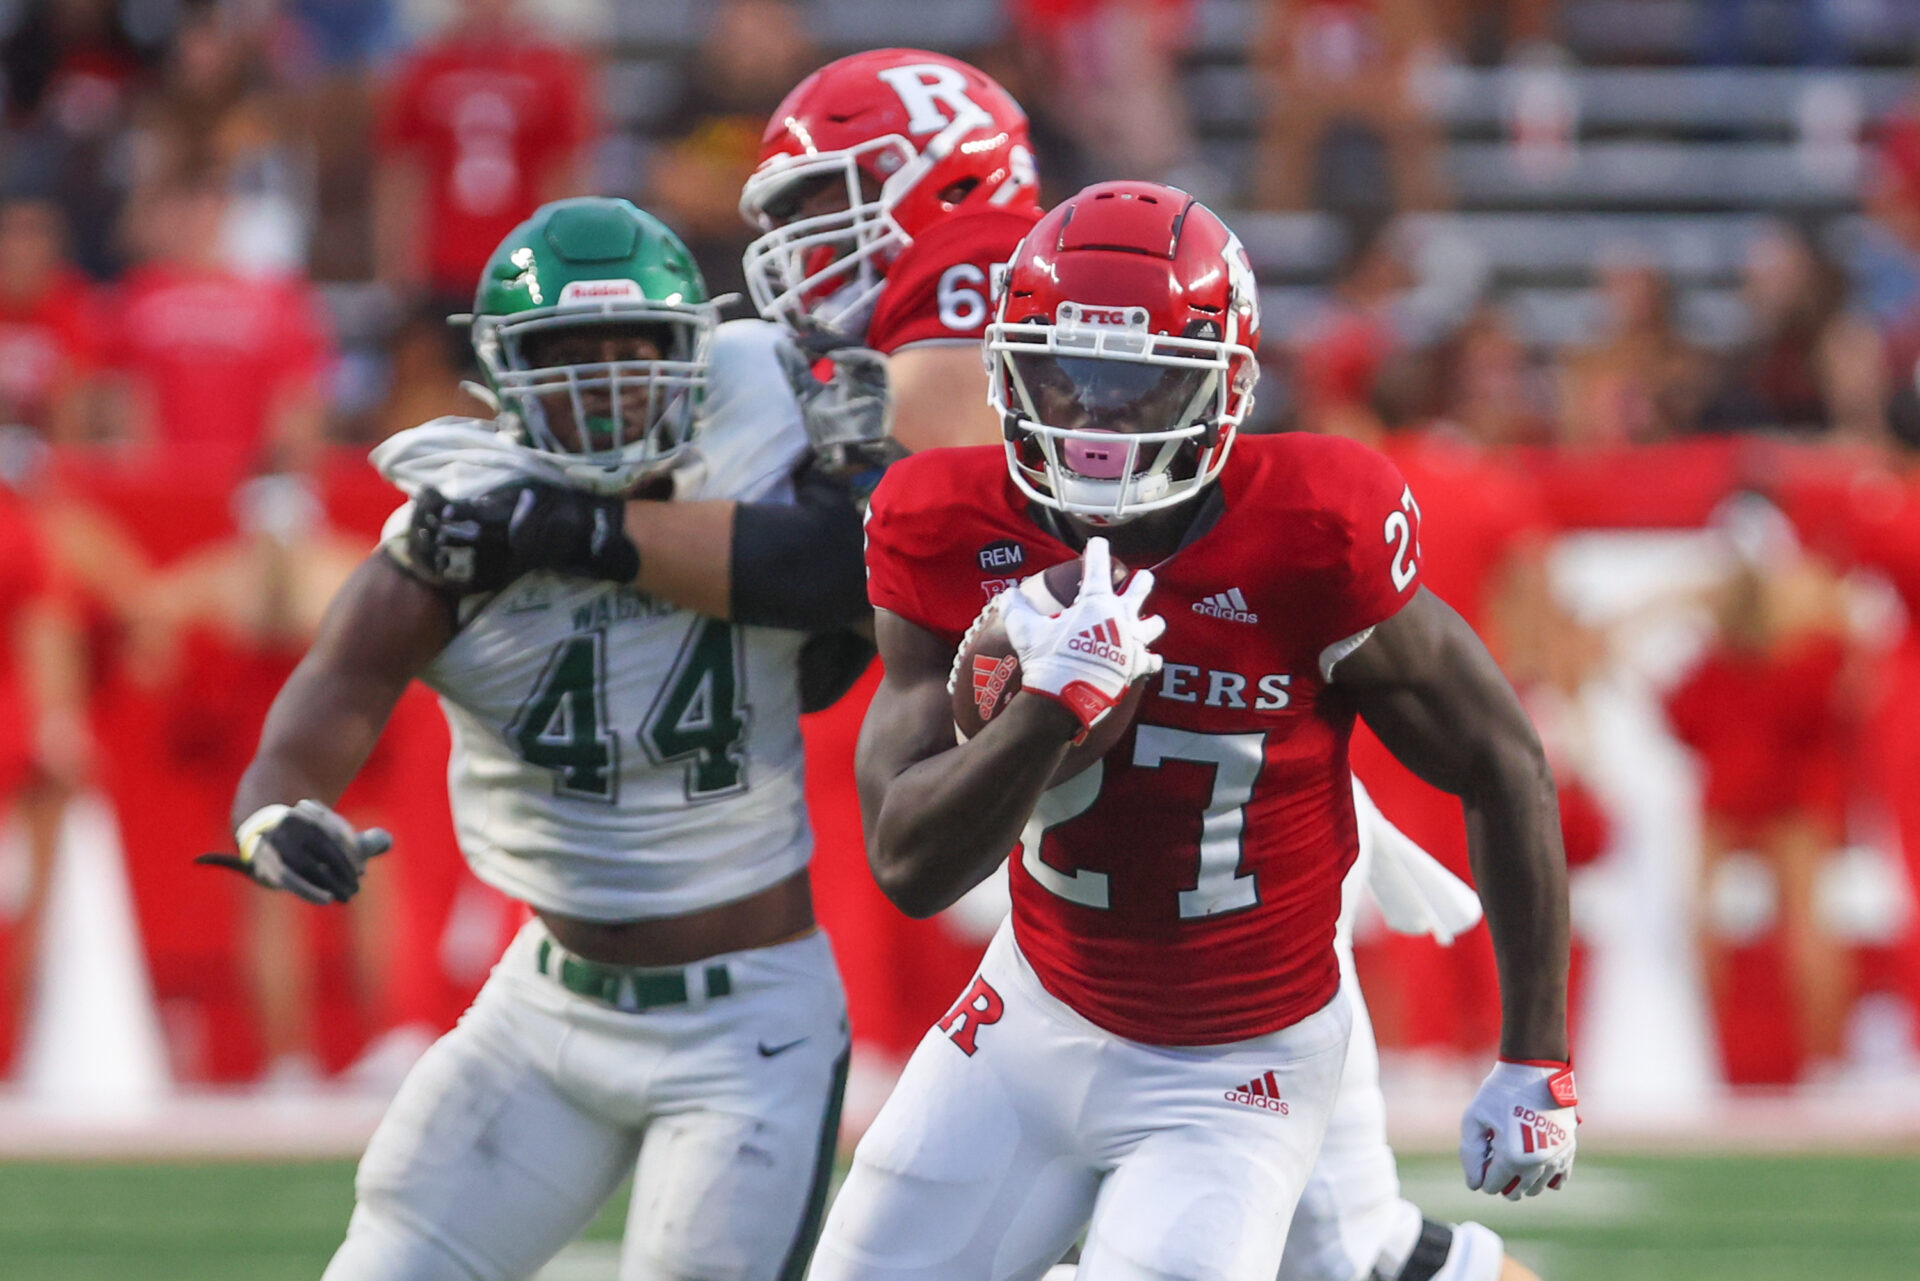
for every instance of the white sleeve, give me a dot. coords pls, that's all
(751, 435)
(1415, 893)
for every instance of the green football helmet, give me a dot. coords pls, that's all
(595, 331)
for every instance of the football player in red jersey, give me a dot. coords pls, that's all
(1151, 1050)
(890, 185)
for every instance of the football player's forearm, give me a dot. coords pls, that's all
(686, 553)
(1428, 688)
(1520, 868)
(319, 732)
(948, 821)
(795, 565)
(380, 631)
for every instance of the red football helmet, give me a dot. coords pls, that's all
(1121, 356)
(910, 137)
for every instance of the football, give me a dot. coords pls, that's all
(987, 672)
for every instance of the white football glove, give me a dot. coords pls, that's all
(1085, 657)
(305, 849)
(1516, 1138)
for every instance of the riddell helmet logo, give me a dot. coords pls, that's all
(602, 291)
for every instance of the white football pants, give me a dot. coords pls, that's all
(1352, 1223)
(1021, 1123)
(512, 1131)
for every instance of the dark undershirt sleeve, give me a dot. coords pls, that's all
(800, 565)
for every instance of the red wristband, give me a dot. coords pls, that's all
(1559, 1083)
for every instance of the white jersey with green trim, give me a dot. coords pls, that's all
(616, 757)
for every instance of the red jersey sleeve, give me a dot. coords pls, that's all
(890, 558)
(1375, 541)
(941, 289)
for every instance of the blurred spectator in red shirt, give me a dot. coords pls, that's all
(1642, 381)
(1336, 62)
(49, 325)
(223, 369)
(1764, 709)
(1867, 514)
(480, 126)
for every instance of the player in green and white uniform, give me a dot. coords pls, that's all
(626, 766)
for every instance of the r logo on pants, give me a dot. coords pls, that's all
(976, 1008)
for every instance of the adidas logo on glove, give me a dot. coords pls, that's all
(1102, 642)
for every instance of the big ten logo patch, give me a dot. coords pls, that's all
(979, 1006)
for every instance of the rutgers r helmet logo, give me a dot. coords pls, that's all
(927, 87)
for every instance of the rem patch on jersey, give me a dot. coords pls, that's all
(1002, 554)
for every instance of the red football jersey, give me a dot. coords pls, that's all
(941, 288)
(490, 119)
(1184, 890)
(46, 344)
(214, 349)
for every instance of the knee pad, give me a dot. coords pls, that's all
(1445, 1252)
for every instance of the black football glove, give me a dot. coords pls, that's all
(483, 543)
(305, 849)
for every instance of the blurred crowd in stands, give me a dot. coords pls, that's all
(230, 234)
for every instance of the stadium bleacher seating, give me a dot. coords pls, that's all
(1679, 165)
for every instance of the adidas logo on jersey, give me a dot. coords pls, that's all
(1230, 605)
(1100, 641)
(1262, 1092)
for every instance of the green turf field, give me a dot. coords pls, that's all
(1731, 1218)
